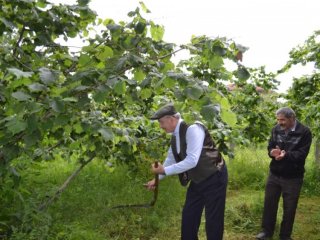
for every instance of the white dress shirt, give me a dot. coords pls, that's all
(194, 137)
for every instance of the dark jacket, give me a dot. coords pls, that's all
(296, 144)
(210, 159)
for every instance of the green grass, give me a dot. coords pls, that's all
(84, 210)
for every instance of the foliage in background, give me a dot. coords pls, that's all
(57, 103)
(304, 95)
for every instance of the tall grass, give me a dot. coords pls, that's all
(85, 209)
(249, 169)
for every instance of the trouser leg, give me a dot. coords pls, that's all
(271, 202)
(191, 214)
(291, 192)
(215, 198)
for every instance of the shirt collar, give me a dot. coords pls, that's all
(294, 126)
(176, 130)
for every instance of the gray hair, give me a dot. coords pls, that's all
(286, 112)
(177, 115)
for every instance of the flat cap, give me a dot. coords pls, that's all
(167, 110)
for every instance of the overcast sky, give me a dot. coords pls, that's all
(270, 28)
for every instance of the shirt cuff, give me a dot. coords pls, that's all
(161, 176)
(169, 170)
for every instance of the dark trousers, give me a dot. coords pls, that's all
(290, 191)
(210, 195)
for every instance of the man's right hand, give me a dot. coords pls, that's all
(281, 155)
(275, 152)
(150, 185)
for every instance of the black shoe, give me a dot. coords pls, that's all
(263, 236)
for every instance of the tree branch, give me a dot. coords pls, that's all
(15, 57)
(20, 39)
(57, 194)
(170, 54)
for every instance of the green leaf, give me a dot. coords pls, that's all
(47, 76)
(210, 112)
(83, 2)
(37, 87)
(77, 128)
(113, 27)
(62, 121)
(226, 114)
(135, 60)
(57, 105)
(70, 99)
(67, 62)
(229, 117)
(6, 119)
(168, 66)
(32, 139)
(41, 3)
(139, 75)
(18, 73)
(72, 34)
(106, 133)
(106, 53)
(146, 93)
(157, 32)
(194, 92)
(215, 62)
(144, 8)
(84, 60)
(120, 87)
(178, 76)
(219, 50)
(21, 96)
(32, 122)
(88, 49)
(121, 63)
(146, 82)
(16, 125)
(131, 82)
(47, 125)
(140, 27)
(101, 95)
(169, 82)
(34, 107)
(20, 82)
(108, 21)
(242, 73)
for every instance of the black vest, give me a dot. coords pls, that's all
(210, 159)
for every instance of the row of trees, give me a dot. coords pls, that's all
(95, 103)
(304, 95)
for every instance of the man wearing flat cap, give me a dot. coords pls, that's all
(194, 158)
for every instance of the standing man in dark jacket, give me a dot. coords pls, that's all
(288, 148)
(193, 156)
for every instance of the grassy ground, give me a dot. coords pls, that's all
(84, 210)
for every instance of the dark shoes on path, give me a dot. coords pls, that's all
(265, 236)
